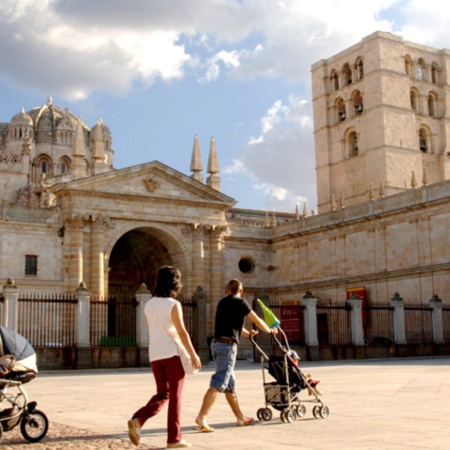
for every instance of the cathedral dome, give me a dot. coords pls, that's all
(22, 119)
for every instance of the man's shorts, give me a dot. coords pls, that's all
(225, 358)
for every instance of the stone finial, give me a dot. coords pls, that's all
(413, 180)
(425, 176)
(196, 161)
(371, 194)
(305, 210)
(79, 150)
(98, 147)
(213, 162)
(297, 212)
(341, 201)
(274, 219)
(143, 289)
(213, 167)
(267, 220)
(381, 190)
(333, 202)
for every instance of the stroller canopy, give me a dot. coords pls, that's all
(15, 344)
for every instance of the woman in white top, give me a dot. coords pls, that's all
(165, 324)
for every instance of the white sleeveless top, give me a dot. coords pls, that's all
(161, 330)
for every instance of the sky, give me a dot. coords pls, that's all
(159, 72)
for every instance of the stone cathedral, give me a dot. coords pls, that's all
(382, 135)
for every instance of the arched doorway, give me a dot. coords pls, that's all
(135, 259)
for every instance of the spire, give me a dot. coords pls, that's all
(98, 146)
(213, 167)
(196, 161)
(79, 149)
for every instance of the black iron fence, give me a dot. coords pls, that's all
(418, 324)
(113, 322)
(333, 324)
(446, 323)
(378, 324)
(47, 320)
(50, 321)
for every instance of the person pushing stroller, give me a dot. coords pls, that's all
(229, 326)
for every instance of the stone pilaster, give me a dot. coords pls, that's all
(143, 295)
(198, 256)
(10, 300)
(97, 256)
(399, 319)
(216, 282)
(73, 252)
(436, 318)
(356, 327)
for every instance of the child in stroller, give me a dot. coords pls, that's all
(17, 367)
(283, 393)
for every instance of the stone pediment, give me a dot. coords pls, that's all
(152, 180)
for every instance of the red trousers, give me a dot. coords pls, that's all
(169, 376)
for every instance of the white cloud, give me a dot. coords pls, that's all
(281, 159)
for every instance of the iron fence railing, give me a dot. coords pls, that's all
(377, 319)
(49, 321)
(418, 324)
(446, 323)
(113, 322)
(333, 324)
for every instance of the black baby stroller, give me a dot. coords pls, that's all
(17, 367)
(283, 393)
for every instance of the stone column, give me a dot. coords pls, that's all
(310, 323)
(356, 326)
(97, 256)
(143, 295)
(216, 288)
(73, 252)
(398, 319)
(436, 318)
(199, 298)
(10, 301)
(198, 256)
(82, 326)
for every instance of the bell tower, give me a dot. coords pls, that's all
(380, 120)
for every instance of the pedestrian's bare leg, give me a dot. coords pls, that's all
(208, 401)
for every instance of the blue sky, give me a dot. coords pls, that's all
(158, 72)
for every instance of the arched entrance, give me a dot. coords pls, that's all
(135, 259)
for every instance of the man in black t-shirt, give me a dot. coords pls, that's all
(229, 326)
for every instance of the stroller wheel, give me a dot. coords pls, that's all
(324, 412)
(266, 414)
(34, 426)
(316, 412)
(288, 415)
(300, 410)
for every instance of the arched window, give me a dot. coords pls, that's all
(64, 166)
(340, 106)
(420, 70)
(347, 72)
(359, 69)
(352, 144)
(434, 73)
(334, 80)
(43, 166)
(423, 141)
(432, 104)
(357, 102)
(414, 100)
